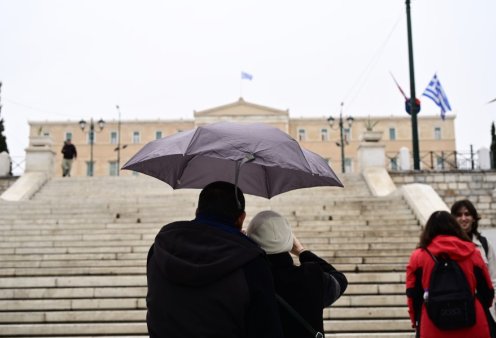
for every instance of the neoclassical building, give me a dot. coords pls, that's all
(111, 150)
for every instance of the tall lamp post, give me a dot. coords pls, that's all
(101, 124)
(118, 140)
(349, 120)
(414, 107)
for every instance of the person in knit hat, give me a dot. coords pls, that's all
(307, 288)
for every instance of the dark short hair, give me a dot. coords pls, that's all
(455, 208)
(218, 199)
(441, 223)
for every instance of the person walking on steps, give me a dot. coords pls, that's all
(69, 154)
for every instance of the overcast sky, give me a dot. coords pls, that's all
(67, 59)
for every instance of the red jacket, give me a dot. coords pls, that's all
(470, 261)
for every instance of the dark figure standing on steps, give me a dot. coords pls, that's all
(69, 152)
(207, 279)
(307, 288)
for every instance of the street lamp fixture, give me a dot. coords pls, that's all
(101, 125)
(349, 121)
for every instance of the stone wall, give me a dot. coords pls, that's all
(477, 186)
(6, 182)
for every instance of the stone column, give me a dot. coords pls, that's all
(484, 159)
(372, 158)
(39, 168)
(405, 159)
(371, 154)
(4, 164)
(39, 155)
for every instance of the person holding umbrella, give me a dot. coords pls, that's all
(303, 290)
(206, 278)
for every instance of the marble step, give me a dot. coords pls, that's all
(140, 280)
(132, 328)
(136, 269)
(104, 291)
(110, 315)
(72, 304)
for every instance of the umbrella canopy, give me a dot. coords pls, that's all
(268, 161)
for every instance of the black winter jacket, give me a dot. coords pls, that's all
(308, 288)
(209, 280)
(69, 151)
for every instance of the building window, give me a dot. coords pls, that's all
(324, 136)
(439, 162)
(113, 169)
(347, 135)
(348, 165)
(158, 134)
(89, 135)
(46, 133)
(301, 135)
(136, 137)
(68, 136)
(392, 134)
(393, 163)
(89, 168)
(437, 133)
(113, 137)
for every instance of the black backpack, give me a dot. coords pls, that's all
(449, 302)
(484, 244)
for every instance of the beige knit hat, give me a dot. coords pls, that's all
(271, 231)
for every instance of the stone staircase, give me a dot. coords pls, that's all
(72, 259)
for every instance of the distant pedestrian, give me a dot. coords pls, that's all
(69, 152)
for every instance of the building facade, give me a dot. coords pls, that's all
(110, 151)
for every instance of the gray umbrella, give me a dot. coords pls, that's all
(262, 160)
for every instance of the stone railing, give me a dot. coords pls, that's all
(477, 186)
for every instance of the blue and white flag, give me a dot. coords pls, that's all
(246, 76)
(435, 92)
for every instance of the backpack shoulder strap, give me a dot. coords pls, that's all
(298, 317)
(484, 243)
(430, 253)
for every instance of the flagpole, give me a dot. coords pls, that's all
(413, 104)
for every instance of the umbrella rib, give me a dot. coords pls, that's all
(186, 163)
(267, 182)
(300, 149)
(183, 168)
(193, 138)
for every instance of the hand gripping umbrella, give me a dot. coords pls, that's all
(262, 160)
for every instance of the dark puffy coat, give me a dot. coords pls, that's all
(308, 288)
(69, 151)
(418, 275)
(209, 280)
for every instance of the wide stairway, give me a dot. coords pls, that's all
(73, 259)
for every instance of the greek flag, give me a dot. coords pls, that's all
(246, 76)
(435, 92)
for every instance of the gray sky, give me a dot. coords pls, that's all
(67, 59)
